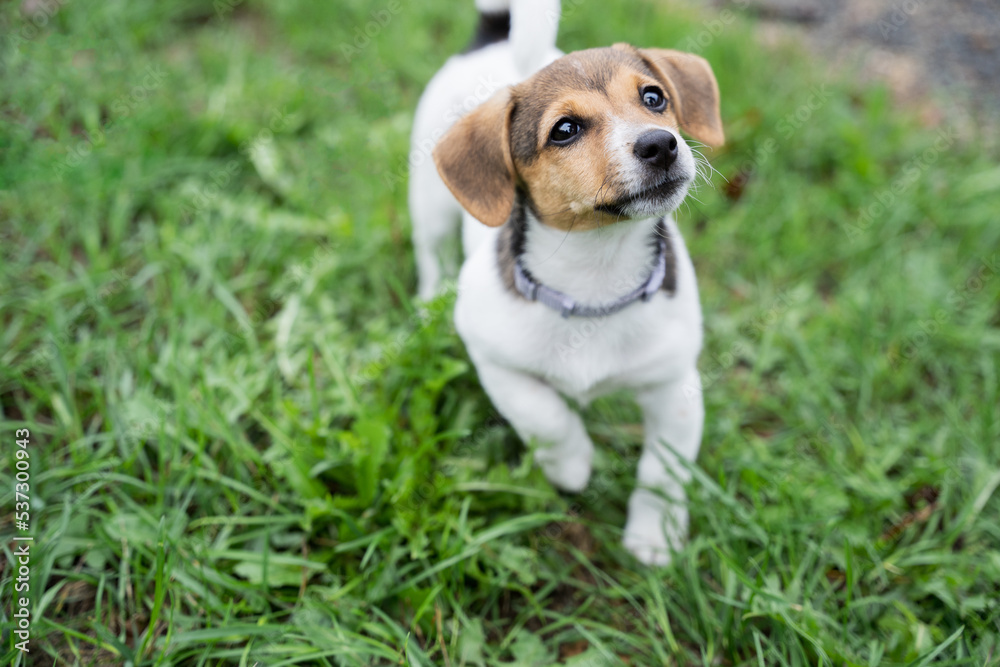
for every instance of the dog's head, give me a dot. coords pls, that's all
(591, 139)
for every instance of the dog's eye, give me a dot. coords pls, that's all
(653, 98)
(564, 131)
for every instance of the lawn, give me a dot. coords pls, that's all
(248, 446)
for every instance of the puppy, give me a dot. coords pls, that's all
(577, 281)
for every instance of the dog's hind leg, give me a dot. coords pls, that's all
(435, 217)
(673, 416)
(537, 412)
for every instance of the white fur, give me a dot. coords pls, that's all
(533, 28)
(493, 6)
(529, 357)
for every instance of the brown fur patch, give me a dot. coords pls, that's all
(474, 161)
(510, 244)
(669, 284)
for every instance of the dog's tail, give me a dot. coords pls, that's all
(531, 26)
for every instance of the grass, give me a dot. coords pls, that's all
(248, 448)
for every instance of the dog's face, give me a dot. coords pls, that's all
(591, 139)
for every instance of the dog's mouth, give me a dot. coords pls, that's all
(645, 201)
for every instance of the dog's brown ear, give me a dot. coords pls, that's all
(474, 160)
(695, 92)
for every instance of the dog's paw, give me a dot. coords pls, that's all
(646, 551)
(570, 474)
(652, 536)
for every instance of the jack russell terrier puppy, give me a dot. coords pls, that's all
(577, 282)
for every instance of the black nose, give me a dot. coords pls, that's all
(657, 147)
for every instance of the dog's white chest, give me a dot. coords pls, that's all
(645, 343)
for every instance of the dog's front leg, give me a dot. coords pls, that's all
(537, 412)
(673, 415)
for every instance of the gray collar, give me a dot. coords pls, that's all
(533, 290)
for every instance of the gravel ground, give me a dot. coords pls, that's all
(942, 55)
